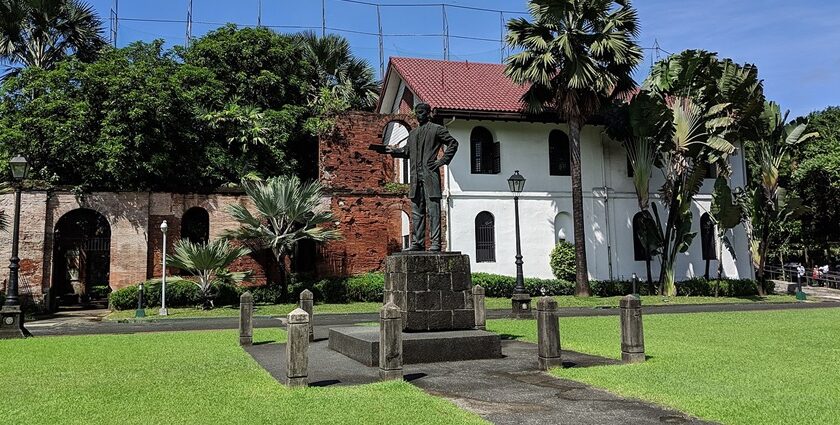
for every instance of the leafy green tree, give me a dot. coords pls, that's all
(287, 211)
(577, 55)
(40, 33)
(814, 173)
(768, 206)
(208, 261)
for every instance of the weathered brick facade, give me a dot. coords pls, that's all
(134, 219)
(363, 195)
(358, 180)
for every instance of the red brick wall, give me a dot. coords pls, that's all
(367, 215)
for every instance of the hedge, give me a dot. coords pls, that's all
(369, 288)
(179, 293)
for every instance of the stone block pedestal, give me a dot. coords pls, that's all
(432, 290)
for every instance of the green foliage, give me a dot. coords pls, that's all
(123, 298)
(562, 261)
(232, 105)
(42, 33)
(287, 211)
(179, 293)
(99, 292)
(366, 287)
(502, 286)
(575, 57)
(816, 179)
(208, 261)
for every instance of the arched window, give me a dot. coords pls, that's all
(707, 237)
(639, 251)
(195, 225)
(484, 153)
(396, 134)
(559, 159)
(406, 230)
(485, 238)
(563, 228)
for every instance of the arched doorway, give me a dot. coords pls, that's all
(81, 256)
(195, 225)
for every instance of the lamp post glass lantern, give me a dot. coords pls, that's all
(11, 325)
(163, 311)
(520, 300)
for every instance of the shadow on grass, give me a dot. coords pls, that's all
(271, 341)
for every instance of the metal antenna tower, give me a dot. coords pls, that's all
(445, 33)
(115, 21)
(189, 23)
(381, 45)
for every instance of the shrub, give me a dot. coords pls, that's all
(124, 298)
(366, 287)
(99, 291)
(562, 261)
(268, 294)
(502, 286)
(223, 293)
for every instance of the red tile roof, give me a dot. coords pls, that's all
(467, 86)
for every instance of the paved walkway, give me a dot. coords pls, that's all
(92, 323)
(510, 390)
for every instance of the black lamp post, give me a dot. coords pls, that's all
(11, 325)
(521, 300)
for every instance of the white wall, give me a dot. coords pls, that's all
(608, 213)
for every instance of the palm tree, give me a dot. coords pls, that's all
(577, 55)
(287, 211)
(207, 261)
(768, 205)
(331, 63)
(39, 33)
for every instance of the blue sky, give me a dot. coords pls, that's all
(794, 44)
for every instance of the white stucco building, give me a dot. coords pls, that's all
(481, 107)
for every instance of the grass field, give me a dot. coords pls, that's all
(779, 367)
(186, 378)
(491, 303)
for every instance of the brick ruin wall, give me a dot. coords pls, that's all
(367, 213)
(136, 241)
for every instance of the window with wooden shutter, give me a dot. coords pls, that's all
(559, 158)
(484, 153)
(640, 253)
(707, 237)
(485, 238)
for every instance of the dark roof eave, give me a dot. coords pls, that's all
(497, 115)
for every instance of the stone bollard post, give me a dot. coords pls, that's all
(297, 347)
(548, 333)
(478, 304)
(307, 304)
(632, 333)
(390, 342)
(246, 319)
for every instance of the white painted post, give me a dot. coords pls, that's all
(163, 311)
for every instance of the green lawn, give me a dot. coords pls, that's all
(186, 378)
(491, 303)
(779, 367)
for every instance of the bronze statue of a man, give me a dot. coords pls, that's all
(424, 143)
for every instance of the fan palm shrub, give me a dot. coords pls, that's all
(207, 261)
(39, 33)
(286, 211)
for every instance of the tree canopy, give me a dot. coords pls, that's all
(143, 117)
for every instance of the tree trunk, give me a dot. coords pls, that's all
(759, 274)
(582, 274)
(706, 274)
(649, 274)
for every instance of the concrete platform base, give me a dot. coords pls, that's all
(361, 343)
